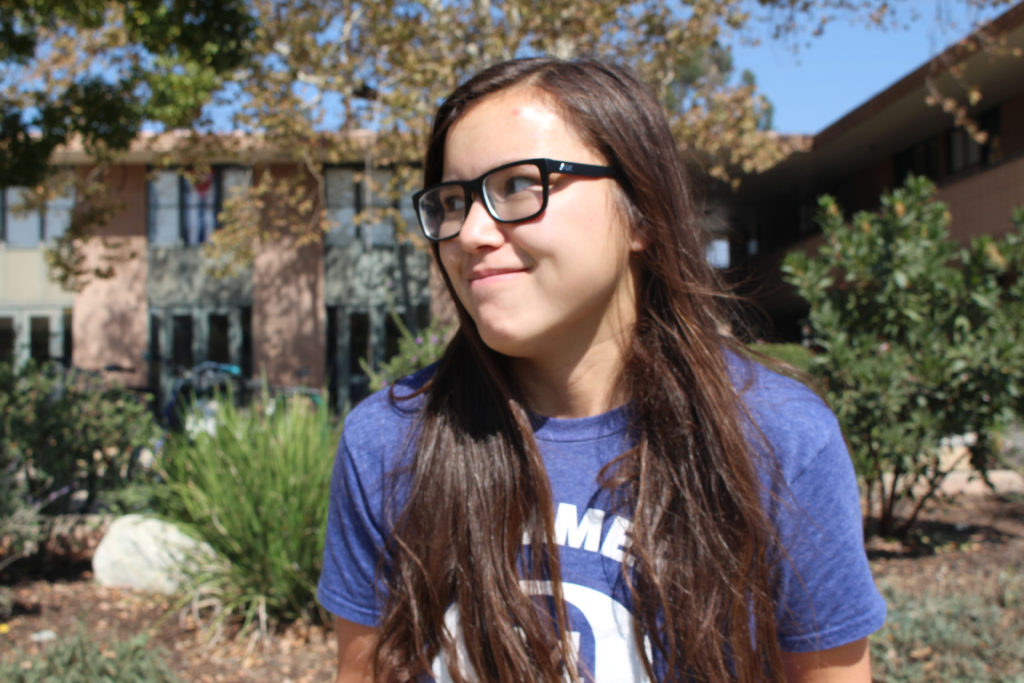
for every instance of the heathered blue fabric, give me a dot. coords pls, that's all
(826, 593)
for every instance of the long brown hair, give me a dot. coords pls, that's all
(699, 558)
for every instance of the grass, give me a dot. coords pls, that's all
(791, 354)
(80, 659)
(952, 634)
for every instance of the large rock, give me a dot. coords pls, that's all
(146, 554)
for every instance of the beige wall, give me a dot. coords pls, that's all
(110, 316)
(982, 203)
(288, 317)
(288, 314)
(26, 293)
(24, 279)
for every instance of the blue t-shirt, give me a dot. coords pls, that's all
(826, 594)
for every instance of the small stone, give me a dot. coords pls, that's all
(44, 636)
(146, 554)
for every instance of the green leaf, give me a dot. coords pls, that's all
(904, 364)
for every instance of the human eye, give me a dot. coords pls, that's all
(521, 183)
(516, 180)
(452, 200)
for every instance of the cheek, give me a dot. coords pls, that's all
(449, 260)
(446, 259)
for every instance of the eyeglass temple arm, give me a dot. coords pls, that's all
(587, 170)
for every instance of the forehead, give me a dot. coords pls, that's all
(519, 123)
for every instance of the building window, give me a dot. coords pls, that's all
(381, 230)
(30, 227)
(7, 338)
(343, 202)
(718, 253)
(41, 335)
(360, 347)
(346, 197)
(39, 339)
(181, 341)
(922, 159)
(184, 210)
(218, 343)
(67, 338)
(57, 214)
(965, 152)
(245, 361)
(199, 207)
(181, 338)
(164, 211)
(392, 335)
(155, 365)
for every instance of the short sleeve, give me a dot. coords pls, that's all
(375, 443)
(827, 595)
(354, 540)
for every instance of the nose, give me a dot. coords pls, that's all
(480, 230)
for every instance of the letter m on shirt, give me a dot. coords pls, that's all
(576, 532)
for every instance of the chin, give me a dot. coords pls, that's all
(504, 342)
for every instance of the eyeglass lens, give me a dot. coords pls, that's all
(510, 194)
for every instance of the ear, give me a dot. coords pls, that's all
(632, 222)
(639, 240)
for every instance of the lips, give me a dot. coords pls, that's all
(478, 274)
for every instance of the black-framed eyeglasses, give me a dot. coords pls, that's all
(512, 192)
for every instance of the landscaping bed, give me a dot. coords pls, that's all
(955, 591)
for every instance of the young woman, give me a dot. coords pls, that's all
(593, 483)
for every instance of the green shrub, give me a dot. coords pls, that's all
(918, 338)
(415, 351)
(22, 529)
(67, 441)
(64, 433)
(78, 659)
(22, 532)
(256, 490)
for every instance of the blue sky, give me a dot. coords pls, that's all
(838, 71)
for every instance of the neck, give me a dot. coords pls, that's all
(578, 386)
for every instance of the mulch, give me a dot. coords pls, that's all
(966, 543)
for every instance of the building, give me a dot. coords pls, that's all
(873, 148)
(306, 315)
(298, 315)
(35, 313)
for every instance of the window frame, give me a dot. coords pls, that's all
(972, 154)
(184, 205)
(42, 216)
(363, 197)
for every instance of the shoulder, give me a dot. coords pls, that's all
(380, 423)
(794, 421)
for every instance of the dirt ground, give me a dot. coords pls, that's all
(108, 614)
(964, 544)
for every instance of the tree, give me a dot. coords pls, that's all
(97, 70)
(345, 80)
(918, 338)
(94, 72)
(348, 79)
